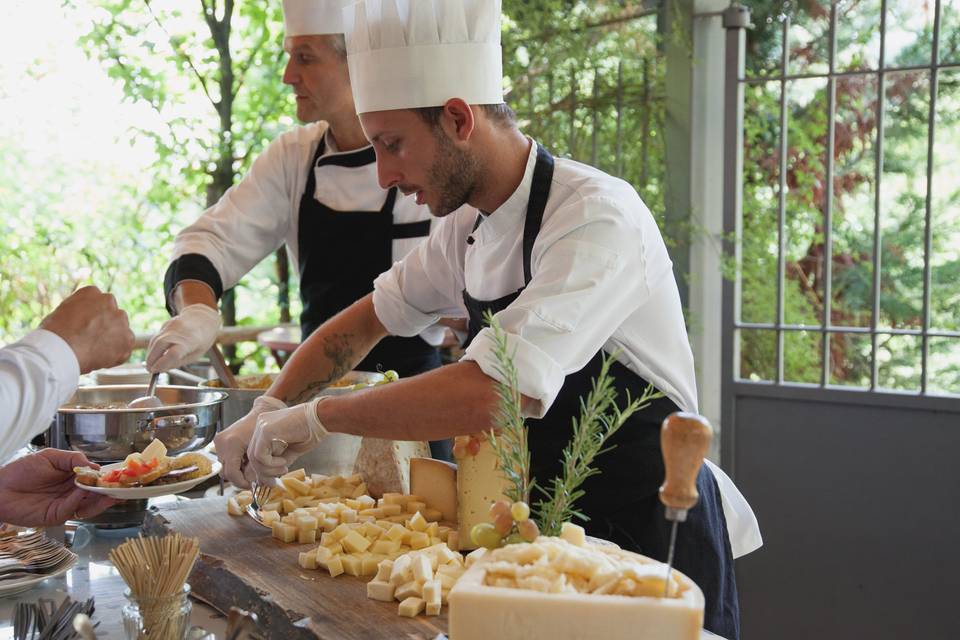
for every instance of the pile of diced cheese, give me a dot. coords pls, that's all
(569, 564)
(420, 580)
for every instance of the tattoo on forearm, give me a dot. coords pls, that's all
(339, 351)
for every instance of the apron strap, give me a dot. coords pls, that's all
(539, 193)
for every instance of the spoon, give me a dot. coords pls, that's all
(150, 400)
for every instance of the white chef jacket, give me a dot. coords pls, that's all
(262, 211)
(601, 278)
(37, 374)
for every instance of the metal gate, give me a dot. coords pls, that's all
(841, 406)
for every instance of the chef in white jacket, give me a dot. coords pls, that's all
(40, 372)
(568, 259)
(314, 189)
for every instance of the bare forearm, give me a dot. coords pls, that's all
(453, 400)
(333, 350)
(193, 292)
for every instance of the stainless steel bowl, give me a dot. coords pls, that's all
(187, 421)
(241, 399)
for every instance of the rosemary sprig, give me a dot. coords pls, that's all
(599, 420)
(511, 445)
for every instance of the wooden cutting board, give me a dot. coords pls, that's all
(241, 565)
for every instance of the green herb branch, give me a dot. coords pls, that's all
(511, 443)
(599, 420)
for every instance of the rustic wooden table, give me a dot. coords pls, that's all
(242, 565)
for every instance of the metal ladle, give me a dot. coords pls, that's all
(149, 401)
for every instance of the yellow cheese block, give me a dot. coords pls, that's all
(479, 484)
(436, 482)
(480, 608)
(385, 464)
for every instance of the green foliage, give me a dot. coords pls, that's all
(212, 76)
(902, 199)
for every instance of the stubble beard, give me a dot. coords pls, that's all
(454, 176)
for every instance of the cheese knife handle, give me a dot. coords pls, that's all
(684, 441)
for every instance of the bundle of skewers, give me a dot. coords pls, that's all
(156, 570)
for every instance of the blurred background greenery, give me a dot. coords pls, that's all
(184, 95)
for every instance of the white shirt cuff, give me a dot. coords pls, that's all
(64, 366)
(540, 377)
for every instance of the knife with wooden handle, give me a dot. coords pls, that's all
(684, 441)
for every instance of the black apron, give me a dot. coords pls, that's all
(340, 255)
(622, 502)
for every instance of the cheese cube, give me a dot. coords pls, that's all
(419, 540)
(396, 532)
(365, 502)
(305, 501)
(382, 591)
(269, 517)
(408, 590)
(453, 540)
(299, 474)
(335, 566)
(413, 506)
(431, 592)
(275, 505)
(410, 607)
(308, 560)
(375, 512)
(233, 507)
(324, 492)
(391, 509)
(348, 515)
(288, 505)
(418, 522)
(372, 531)
(323, 554)
(355, 542)
(352, 564)
(432, 515)
(305, 521)
(340, 532)
(369, 562)
(306, 536)
(446, 581)
(383, 570)
(402, 570)
(385, 546)
(284, 532)
(422, 570)
(574, 534)
(297, 486)
(392, 498)
(433, 609)
(329, 523)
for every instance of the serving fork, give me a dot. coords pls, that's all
(261, 491)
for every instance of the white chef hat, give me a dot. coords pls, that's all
(313, 17)
(406, 54)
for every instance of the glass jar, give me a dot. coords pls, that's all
(163, 618)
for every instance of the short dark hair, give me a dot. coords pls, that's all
(501, 114)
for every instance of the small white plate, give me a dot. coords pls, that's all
(138, 493)
(19, 585)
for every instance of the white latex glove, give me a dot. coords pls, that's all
(183, 338)
(231, 443)
(298, 427)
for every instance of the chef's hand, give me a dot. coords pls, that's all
(183, 338)
(231, 443)
(38, 490)
(94, 327)
(297, 427)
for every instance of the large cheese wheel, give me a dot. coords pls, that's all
(385, 464)
(479, 484)
(479, 611)
(436, 482)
